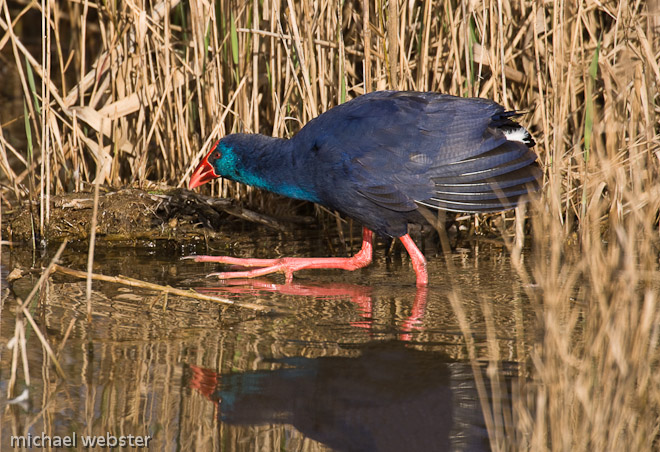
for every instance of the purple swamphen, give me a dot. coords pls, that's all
(376, 159)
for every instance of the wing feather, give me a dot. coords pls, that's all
(401, 149)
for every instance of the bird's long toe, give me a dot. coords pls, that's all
(251, 273)
(238, 261)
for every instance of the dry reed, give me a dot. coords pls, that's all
(155, 84)
(167, 290)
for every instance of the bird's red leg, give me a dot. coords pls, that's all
(288, 265)
(418, 260)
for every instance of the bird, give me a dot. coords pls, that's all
(379, 159)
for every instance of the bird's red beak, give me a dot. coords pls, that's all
(203, 173)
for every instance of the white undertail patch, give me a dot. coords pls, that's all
(519, 134)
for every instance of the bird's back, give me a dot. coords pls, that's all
(381, 155)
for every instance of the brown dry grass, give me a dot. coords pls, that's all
(137, 93)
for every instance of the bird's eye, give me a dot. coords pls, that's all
(215, 155)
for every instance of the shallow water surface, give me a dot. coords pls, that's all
(354, 361)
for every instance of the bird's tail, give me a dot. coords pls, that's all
(496, 180)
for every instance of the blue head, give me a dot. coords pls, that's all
(220, 161)
(255, 160)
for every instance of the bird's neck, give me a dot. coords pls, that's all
(268, 163)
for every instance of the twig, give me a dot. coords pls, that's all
(229, 207)
(28, 316)
(318, 42)
(92, 236)
(131, 282)
(44, 275)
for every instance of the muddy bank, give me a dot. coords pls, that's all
(136, 216)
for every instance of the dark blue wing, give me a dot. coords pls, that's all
(401, 149)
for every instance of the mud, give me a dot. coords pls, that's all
(133, 216)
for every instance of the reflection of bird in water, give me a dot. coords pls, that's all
(360, 295)
(390, 398)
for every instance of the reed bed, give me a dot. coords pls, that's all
(134, 92)
(595, 374)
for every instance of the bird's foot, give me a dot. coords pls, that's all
(289, 265)
(238, 261)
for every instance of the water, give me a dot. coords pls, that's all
(359, 360)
